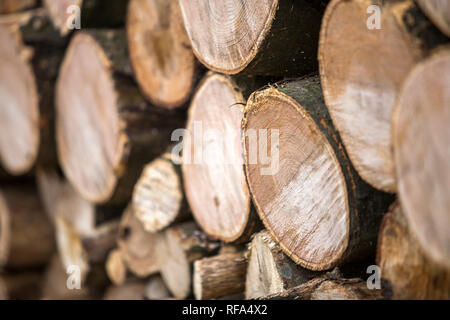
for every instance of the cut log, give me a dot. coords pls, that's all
(93, 13)
(438, 11)
(214, 178)
(406, 272)
(12, 6)
(26, 233)
(24, 285)
(158, 197)
(308, 194)
(362, 70)
(116, 268)
(156, 289)
(133, 290)
(137, 246)
(273, 38)
(329, 289)
(421, 138)
(106, 131)
(181, 246)
(160, 52)
(219, 276)
(270, 271)
(19, 111)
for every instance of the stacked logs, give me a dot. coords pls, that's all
(313, 150)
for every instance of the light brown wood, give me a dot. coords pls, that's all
(362, 70)
(12, 6)
(406, 273)
(160, 51)
(134, 290)
(213, 176)
(329, 289)
(219, 276)
(116, 268)
(106, 131)
(180, 247)
(137, 246)
(437, 11)
(156, 289)
(269, 38)
(307, 194)
(26, 234)
(19, 111)
(421, 138)
(158, 197)
(269, 270)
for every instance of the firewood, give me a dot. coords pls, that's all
(437, 11)
(329, 289)
(421, 138)
(406, 272)
(181, 245)
(116, 268)
(270, 271)
(213, 175)
(309, 196)
(134, 290)
(362, 70)
(156, 289)
(160, 52)
(12, 6)
(24, 285)
(26, 234)
(93, 13)
(158, 197)
(271, 38)
(219, 276)
(137, 246)
(106, 131)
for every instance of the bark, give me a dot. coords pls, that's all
(406, 272)
(158, 197)
(26, 234)
(270, 271)
(329, 289)
(214, 179)
(438, 11)
(125, 132)
(219, 276)
(275, 38)
(362, 67)
(309, 196)
(420, 139)
(12, 6)
(181, 245)
(25, 285)
(160, 52)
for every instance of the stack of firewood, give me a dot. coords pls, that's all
(311, 161)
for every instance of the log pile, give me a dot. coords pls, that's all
(208, 149)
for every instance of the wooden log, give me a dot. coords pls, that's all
(137, 246)
(219, 276)
(26, 234)
(269, 270)
(421, 138)
(158, 197)
(329, 289)
(362, 70)
(19, 111)
(181, 245)
(101, 113)
(156, 289)
(160, 52)
(438, 11)
(274, 38)
(406, 272)
(116, 268)
(128, 291)
(214, 179)
(93, 13)
(308, 195)
(12, 6)
(24, 285)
